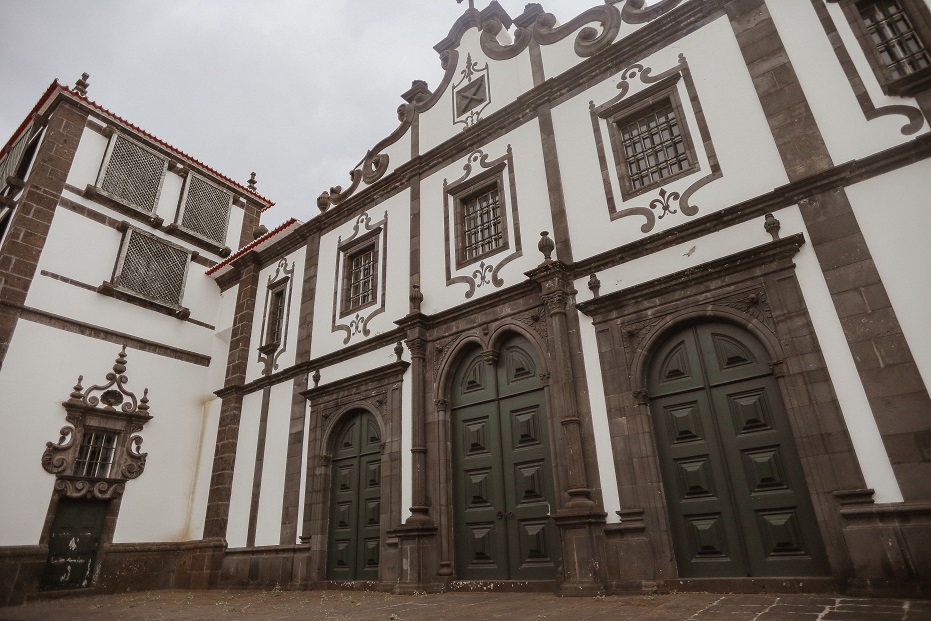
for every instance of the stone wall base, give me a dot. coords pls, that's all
(120, 567)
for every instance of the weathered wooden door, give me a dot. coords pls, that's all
(736, 493)
(502, 477)
(355, 501)
(73, 542)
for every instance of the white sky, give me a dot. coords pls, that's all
(295, 90)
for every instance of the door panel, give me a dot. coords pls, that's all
(502, 479)
(736, 491)
(355, 501)
(73, 542)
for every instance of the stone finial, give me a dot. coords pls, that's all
(258, 231)
(78, 391)
(594, 284)
(119, 366)
(771, 224)
(471, 4)
(416, 298)
(546, 246)
(80, 87)
(399, 350)
(252, 182)
(323, 201)
(316, 378)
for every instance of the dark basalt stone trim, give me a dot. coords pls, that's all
(111, 336)
(346, 353)
(844, 175)
(258, 469)
(766, 254)
(381, 374)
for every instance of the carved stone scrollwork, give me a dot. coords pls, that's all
(641, 397)
(490, 357)
(442, 405)
(755, 304)
(534, 320)
(53, 460)
(115, 414)
(778, 367)
(556, 302)
(417, 347)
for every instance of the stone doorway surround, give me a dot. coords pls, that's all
(756, 290)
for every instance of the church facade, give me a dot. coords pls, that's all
(628, 301)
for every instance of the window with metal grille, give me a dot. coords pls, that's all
(275, 316)
(481, 224)
(152, 268)
(206, 209)
(360, 277)
(895, 38)
(132, 174)
(95, 457)
(652, 146)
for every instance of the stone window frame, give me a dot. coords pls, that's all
(461, 194)
(363, 245)
(627, 110)
(920, 17)
(115, 136)
(183, 207)
(114, 289)
(280, 286)
(364, 234)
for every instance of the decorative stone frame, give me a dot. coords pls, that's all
(489, 173)
(279, 283)
(364, 234)
(605, 118)
(756, 290)
(107, 407)
(112, 289)
(377, 392)
(628, 110)
(920, 17)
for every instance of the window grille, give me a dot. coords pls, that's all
(206, 210)
(133, 174)
(363, 269)
(481, 219)
(899, 47)
(153, 268)
(95, 458)
(653, 146)
(276, 316)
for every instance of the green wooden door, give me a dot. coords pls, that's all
(736, 493)
(355, 501)
(73, 542)
(502, 478)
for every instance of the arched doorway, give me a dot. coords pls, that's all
(502, 476)
(737, 499)
(355, 500)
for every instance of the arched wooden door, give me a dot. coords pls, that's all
(737, 498)
(355, 500)
(502, 475)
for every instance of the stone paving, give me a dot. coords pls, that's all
(371, 606)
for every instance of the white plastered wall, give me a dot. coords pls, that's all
(396, 264)
(237, 528)
(742, 140)
(846, 131)
(533, 212)
(271, 494)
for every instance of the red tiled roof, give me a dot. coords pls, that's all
(64, 90)
(251, 246)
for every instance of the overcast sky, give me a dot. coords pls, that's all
(295, 90)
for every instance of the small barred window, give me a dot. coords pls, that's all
(153, 268)
(481, 224)
(95, 458)
(206, 210)
(895, 38)
(652, 146)
(360, 281)
(275, 316)
(133, 174)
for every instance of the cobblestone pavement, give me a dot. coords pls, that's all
(370, 606)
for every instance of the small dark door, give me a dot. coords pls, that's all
(736, 493)
(502, 479)
(73, 542)
(355, 501)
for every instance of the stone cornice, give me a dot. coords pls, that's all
(382, 375)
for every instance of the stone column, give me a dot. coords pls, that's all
(581, 521)
(420, 510)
